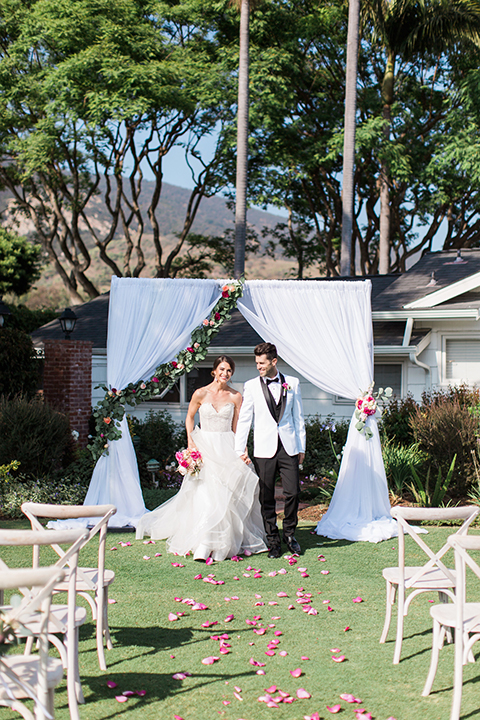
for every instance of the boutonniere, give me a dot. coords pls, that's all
(286, 387)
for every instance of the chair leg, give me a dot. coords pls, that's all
(437, 642)
(458, 677)
(28, 645)
(388, 611)
(106, 628)
(443, 598)
(400, 616)
(101, 598)
(72, 672)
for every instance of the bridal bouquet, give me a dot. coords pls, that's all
(189, 462)
(367, 404)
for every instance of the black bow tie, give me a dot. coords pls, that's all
(272, 380)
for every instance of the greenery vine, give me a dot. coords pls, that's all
(109, 412)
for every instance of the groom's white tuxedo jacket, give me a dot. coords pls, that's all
(291, 427)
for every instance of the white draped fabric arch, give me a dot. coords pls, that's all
(324, 331)
(149, 322)
(321, 329)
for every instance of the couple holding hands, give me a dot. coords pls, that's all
(227, 508)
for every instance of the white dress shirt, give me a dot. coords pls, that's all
(275, 387)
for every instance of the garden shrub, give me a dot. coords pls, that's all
(35, 435)
(395, 422)
(320, 456)
(153, 497)
(399, 461)
(20, 368)
(444, 427)
(158, 437)
(23, 488)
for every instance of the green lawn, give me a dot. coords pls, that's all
(149, 649)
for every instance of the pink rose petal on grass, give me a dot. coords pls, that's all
(350, 698)
(260, 672)
(282, 571)
(334, 709)
(208, 561)
(111, 601)
(296, 673)
(210, 660)
(113, 548)
(158, 554)
(304, 657)
(270, 653)
(141, 693)
(128, 693)
(283, 653)
(358, 599)
(121, 698)
(347, 628)
(315, 716)
(229, 618)
(172, 617)
(177, 717)
(339, 659)
(325, 572)
(334, 649)
(302, 694)
(111, 684)
(146, 557)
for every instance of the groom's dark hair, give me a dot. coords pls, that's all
(267, 349)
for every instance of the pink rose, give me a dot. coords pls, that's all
(212, 322)
(180, 366)
(174, 364)
(143, 386)
(190, 349)
(206, 322)
(225, 294)
(197, 345)
(217, 316)
(155, 379)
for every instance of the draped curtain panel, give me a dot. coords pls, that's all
(149, 322)
(324, 331)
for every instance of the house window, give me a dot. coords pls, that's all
(172, 396)
(198, 377)
(385, 375)
(462, 360)
(388, 375)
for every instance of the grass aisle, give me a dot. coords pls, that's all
(149, 649)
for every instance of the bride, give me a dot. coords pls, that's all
(217, 512)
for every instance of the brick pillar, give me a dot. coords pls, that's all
(67, 382)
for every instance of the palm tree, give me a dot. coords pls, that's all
(349, 138)
(242, 141)
(407, 28)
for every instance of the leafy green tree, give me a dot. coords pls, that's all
(19, 263)
(90, 102)
(296, 136)
(19, 365)
(412, 29)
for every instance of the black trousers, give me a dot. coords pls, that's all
(267, 468)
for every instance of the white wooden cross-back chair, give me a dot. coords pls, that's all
(92, 583)
(21, 676)
(433, 575)
(64, 620)
(462, 616)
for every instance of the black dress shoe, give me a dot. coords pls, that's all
(275, 552)
(293, 545)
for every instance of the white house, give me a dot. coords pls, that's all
(426, 335)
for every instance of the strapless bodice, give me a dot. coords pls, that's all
(213, 421)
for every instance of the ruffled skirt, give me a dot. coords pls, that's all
(216, 513)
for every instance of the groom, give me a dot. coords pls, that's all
(279, 442)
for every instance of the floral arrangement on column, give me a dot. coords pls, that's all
(109, 412)
(367, 404)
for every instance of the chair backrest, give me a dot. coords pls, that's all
(34, 511)
(42, 582)
(412, 514)
(461, 545)
(35, 538)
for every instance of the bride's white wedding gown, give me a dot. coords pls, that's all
(217, 513)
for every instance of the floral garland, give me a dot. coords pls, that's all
(367, 404)
(110, 411)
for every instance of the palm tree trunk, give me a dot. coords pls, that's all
(349, 136)
(384, 244)
(242, 144)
